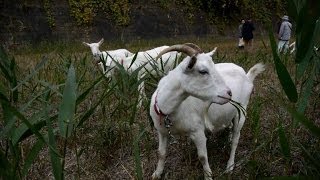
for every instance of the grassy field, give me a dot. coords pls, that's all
(111, 139)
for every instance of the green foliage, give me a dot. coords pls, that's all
(19, 127)
(83, 11)
(306, 15)
(67, 107)
(119, 10)
(48, 10)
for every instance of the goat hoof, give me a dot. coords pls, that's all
(156, 175)
(230, 168)
(208, 176)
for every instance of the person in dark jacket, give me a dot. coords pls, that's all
(247, 32)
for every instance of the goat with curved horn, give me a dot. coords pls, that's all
(185, 48)
(194, 46)
(180, 48)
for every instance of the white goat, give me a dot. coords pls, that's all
(147, 59)
(106, 55)
(183, 101)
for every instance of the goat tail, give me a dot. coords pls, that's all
(255, 70)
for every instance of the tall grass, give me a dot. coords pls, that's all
(59, 111)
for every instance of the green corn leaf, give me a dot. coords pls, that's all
(32, 155)
(22, 131)
(16, 113)
(283, 74)
(306, 92)
(55, 159)
(301, 68)
(67, 107)
(284, 143)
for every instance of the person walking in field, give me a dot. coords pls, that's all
(247, 33)
(241, 42)
(284, 34)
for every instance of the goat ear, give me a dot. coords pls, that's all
(211, 53)
(101, 41)
(192, 62)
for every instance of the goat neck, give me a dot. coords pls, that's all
(169, 93)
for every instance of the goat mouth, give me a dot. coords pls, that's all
(224, 98)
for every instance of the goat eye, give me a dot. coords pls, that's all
(203, 72)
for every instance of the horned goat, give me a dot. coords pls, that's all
(105, 55)
(194, 97)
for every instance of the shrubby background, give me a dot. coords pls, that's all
(70, 20)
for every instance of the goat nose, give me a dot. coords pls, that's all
(229, 93)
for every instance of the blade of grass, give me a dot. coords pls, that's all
(137, 158)
(284, 143)
(32, 155)
(134, 59)
(26, 121)
(239, 107)
(67, 107)
(306, 91)
(55, 159)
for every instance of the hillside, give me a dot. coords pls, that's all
(65, 20)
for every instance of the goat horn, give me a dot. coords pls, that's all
(194, 46)
(180, 48)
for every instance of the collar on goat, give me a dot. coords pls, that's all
(167, 121)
